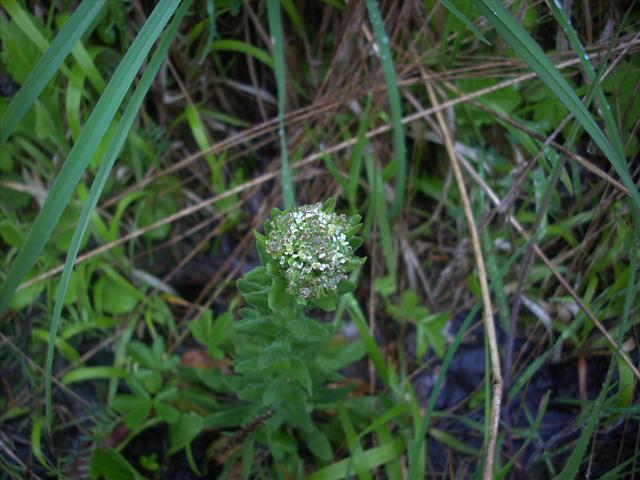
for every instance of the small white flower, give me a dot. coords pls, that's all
(312, 249)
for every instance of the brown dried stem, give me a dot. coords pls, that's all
(484, 287)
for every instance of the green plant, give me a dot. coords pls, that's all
(306, 254)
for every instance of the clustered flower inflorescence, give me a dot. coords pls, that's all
(311, 247)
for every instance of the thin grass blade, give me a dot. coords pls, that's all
(275, 27)
(418, 441)
(99, 182)
(464, 19)
(48, 64)
(389, 73)
(519, 39)
(574, 41)
(83, 150)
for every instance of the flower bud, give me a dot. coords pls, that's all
(311, 247)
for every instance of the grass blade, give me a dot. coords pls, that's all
(90, 373)
(48, 64)
(519, 39)
(242, 47)
(356, 157)
(416, 445)
(388, 70)
(464, 19)
(85, 147)
(370, 459)
(275, 27)
(117, 141)
(574, 41)
(570, 469)
(369, 342)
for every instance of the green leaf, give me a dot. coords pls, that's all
(110, 465)
(274, 356)
(111, 297)
(151, 380)
(272, 394)
(135, 409)
(260, 247)
(166, 412)
(142, 354)
(211, 333)
(19, 55)
(299, 371)
(326, 303)
(278, 296)
(318, 444)
(430, 329)
(28, 295)
(182, 432)
(345, 286)
(306, 329)
(385, 285)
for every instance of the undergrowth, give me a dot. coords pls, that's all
(144, 144)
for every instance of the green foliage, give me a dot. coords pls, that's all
(110, 465)
(212, 333)
(140, 337)
(307, 252)
(428, 326)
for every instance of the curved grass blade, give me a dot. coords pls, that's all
(519, 39)
(572, 466)
(416, 445)
(393, 93)
(371, 459)
(83, 374)
(47, 65)
(574, 41)
(99, 182)
(230, 45)
(85, 147)
(36, 445)
(275, 27)
(464, 19)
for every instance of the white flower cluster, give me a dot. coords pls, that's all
(311, 248)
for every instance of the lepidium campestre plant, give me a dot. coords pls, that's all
(306, 255)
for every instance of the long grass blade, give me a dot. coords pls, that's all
(574, 41)
(112, 151)
(464, 19)
(522, 43)
(47, 65)
(85, 147)
(418, 441)
(275, 27)
(389, 73)
(570, 469)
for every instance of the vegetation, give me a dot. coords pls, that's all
(162, 318)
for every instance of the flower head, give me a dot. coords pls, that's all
(312, 247)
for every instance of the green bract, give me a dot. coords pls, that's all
(311, 248)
